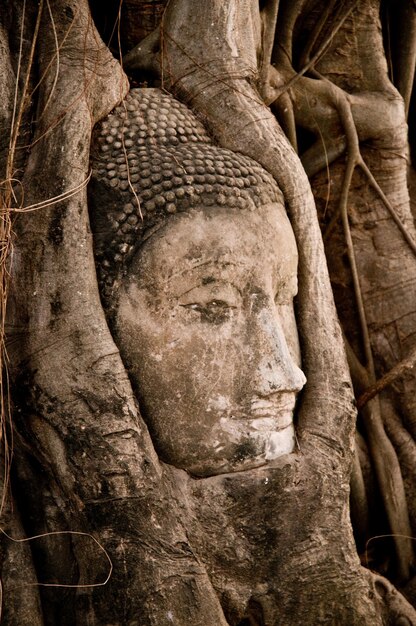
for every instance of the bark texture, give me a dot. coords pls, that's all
(100, 472)
(260, 548)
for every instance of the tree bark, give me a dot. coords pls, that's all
(260, 548)
(84, 427)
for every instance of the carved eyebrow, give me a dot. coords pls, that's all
(224, 284)
(186, 270)
(197, 266)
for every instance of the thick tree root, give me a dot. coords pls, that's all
(387, 469)
(396, 610)
(388, 379)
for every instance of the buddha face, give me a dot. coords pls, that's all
(205, 324)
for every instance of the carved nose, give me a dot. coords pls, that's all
(276, 370)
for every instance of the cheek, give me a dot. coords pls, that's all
(197, 357)
(171, 354)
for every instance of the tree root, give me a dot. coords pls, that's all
(358, 500)
(405, 447)
(268, 18)
(382, 452)
(318, 54)
(388, 379)
(406, 62)
(146, 55)
(283, 110)
(394, 607)
(387, 469)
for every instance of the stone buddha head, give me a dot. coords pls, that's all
(197, 265)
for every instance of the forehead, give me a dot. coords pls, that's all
(217, 237)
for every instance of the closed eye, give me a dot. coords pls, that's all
(213, 312)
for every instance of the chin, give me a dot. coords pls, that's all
(248, 454)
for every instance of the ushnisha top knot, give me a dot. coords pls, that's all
(151, 158)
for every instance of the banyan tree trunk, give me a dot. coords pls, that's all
(272, 546)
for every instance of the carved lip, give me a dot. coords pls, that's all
(273, 413)
(281, 408)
